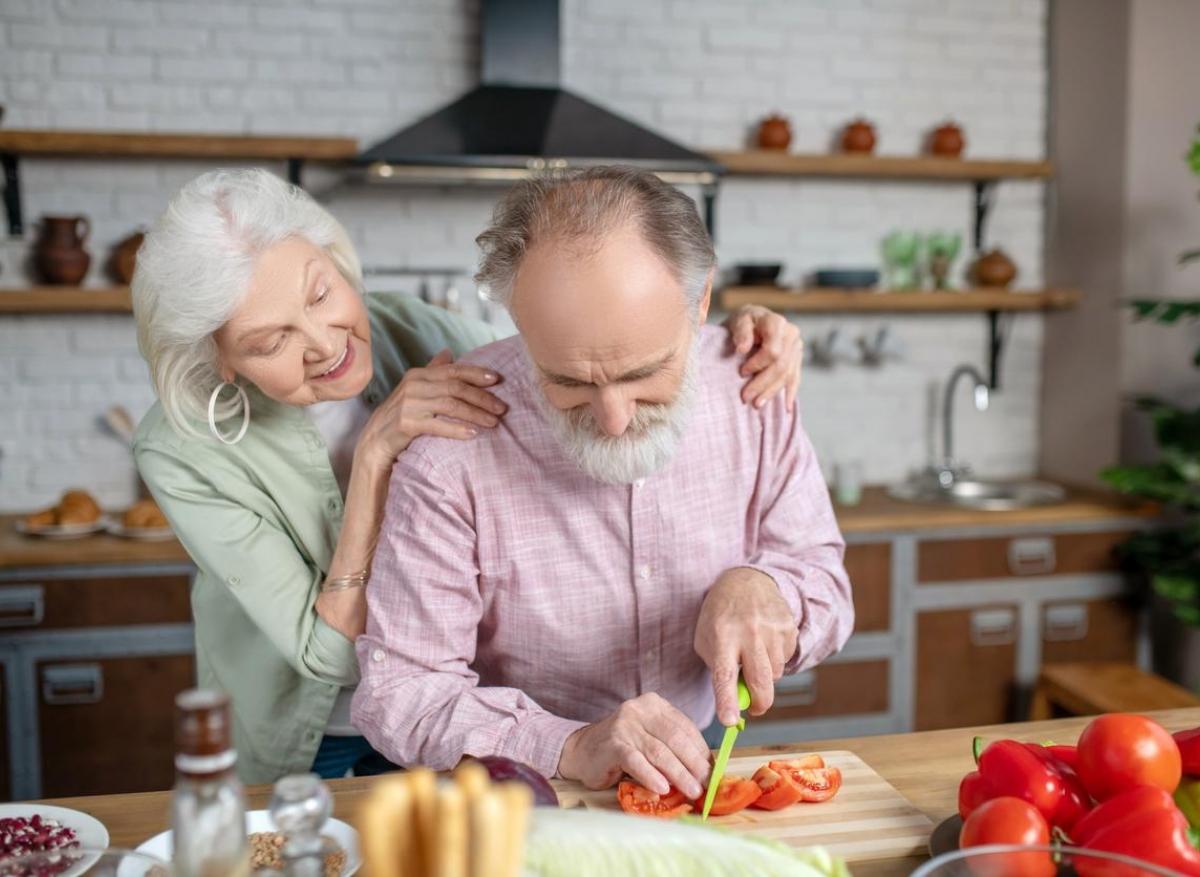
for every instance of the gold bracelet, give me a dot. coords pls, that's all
(346, 582)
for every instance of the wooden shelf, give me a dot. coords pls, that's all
(229, 146)
(874, 301)
(772, 163)
(66, 300)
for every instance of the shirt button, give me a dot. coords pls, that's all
(644, 572)
(639, 482)
(332, 505)
(377, 656)
(234, 580)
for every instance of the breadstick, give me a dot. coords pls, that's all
(489, 830)
(422, 783)
(385, 824)
(516, 800)
(449, 839)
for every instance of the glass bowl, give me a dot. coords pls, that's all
(77, 861)
(1027, 861)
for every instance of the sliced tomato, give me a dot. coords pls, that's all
(734, 794)
(812, 761)
(816, 783)
(636, 798)
(779, 790)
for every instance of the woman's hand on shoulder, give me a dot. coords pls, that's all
(774, 352)
(444, 398)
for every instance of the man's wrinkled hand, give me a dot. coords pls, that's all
(648, 739)
(745, 623)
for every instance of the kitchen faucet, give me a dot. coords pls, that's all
(948, 472)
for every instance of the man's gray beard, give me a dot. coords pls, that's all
(648, 443)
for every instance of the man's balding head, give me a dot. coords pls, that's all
(607, 274)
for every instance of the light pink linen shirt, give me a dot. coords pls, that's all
(514, 599)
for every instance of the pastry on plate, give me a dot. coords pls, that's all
(76, 507)
(144, 515)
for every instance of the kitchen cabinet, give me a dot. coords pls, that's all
(107, 724)
(833, 689)
(1089, 630)
(966, 666)
(1028, 554)
(5, 771)
(96, 654)
(869, 566)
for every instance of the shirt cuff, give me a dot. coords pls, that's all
(538, 741)
(331, 656)
(791, 595)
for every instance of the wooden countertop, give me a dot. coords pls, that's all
(924, 767)
(877, 513)
(17, 550)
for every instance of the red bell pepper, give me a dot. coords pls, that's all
(1020, 770)
(972, 792)
(1068, 755)
(1189, 750)
(1076, 802)
(1142, 822)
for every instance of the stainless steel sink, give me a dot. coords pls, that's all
(979, 493)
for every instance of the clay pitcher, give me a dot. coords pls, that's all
(124, 258)
(59, 255)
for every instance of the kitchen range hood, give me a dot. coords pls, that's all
(519, 121)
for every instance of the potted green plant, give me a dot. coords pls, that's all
(1168, 558)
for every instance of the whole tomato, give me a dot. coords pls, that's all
(1118, 751)
(1008, 821)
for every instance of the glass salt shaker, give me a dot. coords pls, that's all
(300, 807)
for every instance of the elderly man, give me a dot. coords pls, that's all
(576, 589)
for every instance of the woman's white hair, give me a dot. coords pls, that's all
(195, 266)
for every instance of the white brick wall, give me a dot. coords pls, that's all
(703, 71)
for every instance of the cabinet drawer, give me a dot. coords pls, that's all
(953, 560)
(841, 689)
(107, 725)
(5, 768)
(966, 666)
(1089, 630)
(55, 604)
(870, 569)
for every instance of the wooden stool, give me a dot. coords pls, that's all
(1087, 689)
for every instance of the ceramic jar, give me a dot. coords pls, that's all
(859, 136)
(124, 258)
(947, 141)
(58, 255)
(994, 268)
(774, 132)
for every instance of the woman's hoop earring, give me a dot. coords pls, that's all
(212, 413)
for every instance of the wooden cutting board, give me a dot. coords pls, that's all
(868, 819)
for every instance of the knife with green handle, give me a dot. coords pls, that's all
(731, 733)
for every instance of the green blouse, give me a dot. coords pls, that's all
(260, 520)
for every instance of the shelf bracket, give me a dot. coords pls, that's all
(709, 193)
(294, 168)
(12, 194)
(985, 192)
(996, 340)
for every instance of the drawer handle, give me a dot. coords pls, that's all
(23, 606)
(993, 627)
(797, 690)
(1031, 557)
(1065, 623)
(70, 684)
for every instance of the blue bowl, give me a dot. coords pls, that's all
(846, 278)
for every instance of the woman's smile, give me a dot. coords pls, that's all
(341, 365)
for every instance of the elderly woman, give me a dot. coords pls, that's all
(284, 396)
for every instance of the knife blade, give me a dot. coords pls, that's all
(722, 759)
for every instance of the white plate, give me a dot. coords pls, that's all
(142, 534)
(161, 845)
(61, 531)
(89, 831)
